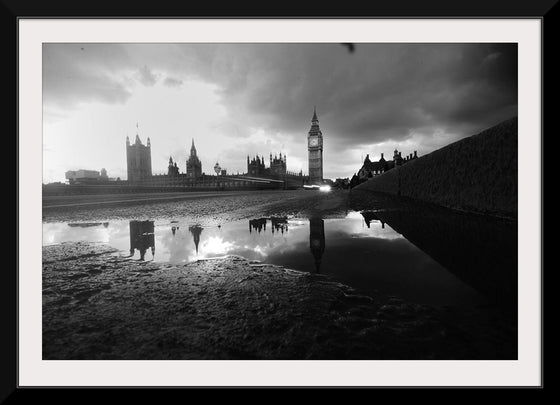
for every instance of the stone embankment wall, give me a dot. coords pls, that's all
(477, 174)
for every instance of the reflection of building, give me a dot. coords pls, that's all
(315, 149)
(279, 224)
(138, 160)
(194, 165)
(257, 224)
(142, 237)
(196, 230)
(370, 216)
(317, 240)
(88, 224)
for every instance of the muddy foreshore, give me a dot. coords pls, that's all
(98, 305)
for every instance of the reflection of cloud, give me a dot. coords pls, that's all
(216, 245)
(257, 249)
(232, 239)
(116, 234)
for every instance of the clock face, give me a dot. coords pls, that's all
(313, 142)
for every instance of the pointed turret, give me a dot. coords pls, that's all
(196, 230)
(127, 141)
(148, 143)
(193, 148)
(315, 131)
(137, 141)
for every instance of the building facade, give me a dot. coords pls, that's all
(139, 170)
(370, 168)
(315, 150)
(194, 165)
(83, 176)
(138, 160)
(278, 165)
(277, 168)
(255, 166)
(172, 169)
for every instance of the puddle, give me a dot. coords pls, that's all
(359, 250)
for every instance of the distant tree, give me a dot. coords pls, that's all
(342, 183)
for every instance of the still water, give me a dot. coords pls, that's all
(360, 250)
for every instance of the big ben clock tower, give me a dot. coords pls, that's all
(315, 148)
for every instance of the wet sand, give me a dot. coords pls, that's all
(100, 306)
(206, 208)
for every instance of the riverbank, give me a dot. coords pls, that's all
(100, 306)
(476, 174)
(208, 208)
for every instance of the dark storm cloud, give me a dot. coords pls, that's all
(378, 92)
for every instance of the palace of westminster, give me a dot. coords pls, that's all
(276, 175)
(139, 167)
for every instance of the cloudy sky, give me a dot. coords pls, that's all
(239, 99)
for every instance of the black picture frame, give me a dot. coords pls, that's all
(12, 10)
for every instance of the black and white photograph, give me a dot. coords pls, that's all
(279, 201)
(282, 201)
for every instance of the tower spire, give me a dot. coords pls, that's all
(314, 114)
(193, 148)
(137, 140)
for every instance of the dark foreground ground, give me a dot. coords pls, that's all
(100, 306)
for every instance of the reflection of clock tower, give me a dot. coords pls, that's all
(317, 240)
(315, 148)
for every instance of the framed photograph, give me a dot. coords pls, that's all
(295, 202)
